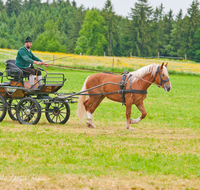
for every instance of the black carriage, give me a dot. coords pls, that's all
(25, 103)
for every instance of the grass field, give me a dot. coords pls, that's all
(163, 152)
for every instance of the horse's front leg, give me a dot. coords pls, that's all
(143, 112)
(128, 116)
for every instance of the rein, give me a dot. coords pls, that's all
(116, 92)
(122, 85)
(119, 92)
(148, 81)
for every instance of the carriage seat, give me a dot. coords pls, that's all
(13, 71)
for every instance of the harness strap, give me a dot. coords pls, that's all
(133, 91)
(161, 79)
(123, 83)
(119, 92)
(123, 86)
(131, 87)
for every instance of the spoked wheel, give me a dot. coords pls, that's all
(28, 111)
(12, 108)
(57, 112)
(3, 108)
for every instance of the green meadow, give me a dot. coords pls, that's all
(163, 151)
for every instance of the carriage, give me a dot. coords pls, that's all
(26, 103)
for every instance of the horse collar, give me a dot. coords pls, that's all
(162, 81)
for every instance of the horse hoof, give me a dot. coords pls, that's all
(130, 129)
(91, 125)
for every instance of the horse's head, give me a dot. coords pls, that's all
(162, 78)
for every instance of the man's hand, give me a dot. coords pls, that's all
(41, 63)
(45, 64)
(37, 62)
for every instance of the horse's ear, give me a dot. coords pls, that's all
(161, 67)
(166, 64)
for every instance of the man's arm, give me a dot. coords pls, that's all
(25, 57)
(35, 58)
(37, 61)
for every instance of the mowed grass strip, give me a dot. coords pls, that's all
(48, 151)
(165, 143)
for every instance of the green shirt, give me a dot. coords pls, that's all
(25, 58)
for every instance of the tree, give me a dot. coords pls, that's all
(193, 23)
(168, 26)
(74, 4)
(1, 5)
(197, 45)
(141, 28)
(13, 6)
(176, 45)
(158, 38)
(75, 27)
(110, 22)
(127, 35)
(49, 40)
(62, 26)
(93, 33)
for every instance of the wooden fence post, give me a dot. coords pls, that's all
(53, 59)
(158, 55)
(185, 57)
(113, 63)
(104, 54)
(130, 54)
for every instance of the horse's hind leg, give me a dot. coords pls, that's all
(128, 115)
(90, 105)
(143, 112)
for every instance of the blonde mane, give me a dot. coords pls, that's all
(140, 73)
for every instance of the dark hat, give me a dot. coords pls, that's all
(28, 39)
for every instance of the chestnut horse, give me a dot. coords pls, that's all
(140, 80)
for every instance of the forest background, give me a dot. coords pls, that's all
(62, 26)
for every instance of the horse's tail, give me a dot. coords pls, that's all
(81, 108)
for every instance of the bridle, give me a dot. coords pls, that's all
(162, 81)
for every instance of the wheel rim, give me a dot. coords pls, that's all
(12, 108)
(3, 108)
(57, 112)
(28, 111)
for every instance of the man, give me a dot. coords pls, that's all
(25, 60)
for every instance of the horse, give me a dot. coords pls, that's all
(140, 79)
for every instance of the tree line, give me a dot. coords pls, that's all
(62, 26)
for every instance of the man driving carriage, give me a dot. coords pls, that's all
(25, 60)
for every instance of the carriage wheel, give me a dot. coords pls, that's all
(28, 111)
(12, 108)
(57, 112)
(3, 108)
